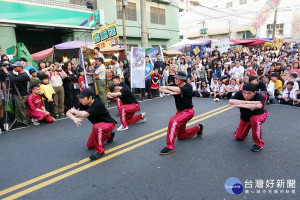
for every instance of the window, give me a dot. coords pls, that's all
(278, 31)
(132, 45)
(130, 11)
(229, 4)
(157, 15)
(243, 2)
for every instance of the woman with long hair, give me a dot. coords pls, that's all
(89, 69)
(71, 85)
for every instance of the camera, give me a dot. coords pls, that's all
(8, 66)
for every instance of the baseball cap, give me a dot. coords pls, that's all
(31, 71)
(18, 63)
(180, 74)
(87, 92)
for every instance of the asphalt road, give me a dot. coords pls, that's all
(50, 161)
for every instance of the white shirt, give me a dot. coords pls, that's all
(55, 78)
(296, 85)
(270, 88)
(214, 87)
(101, 72)
(292, 95)
(237, 71)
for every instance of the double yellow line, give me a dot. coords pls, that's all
(155, 135)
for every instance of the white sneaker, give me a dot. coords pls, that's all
(35, 123)
(122, 128)
(143, 116)
(161, 95)
(217, 99)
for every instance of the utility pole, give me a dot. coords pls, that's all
(124, 4)
(144, 35)
(274, 24)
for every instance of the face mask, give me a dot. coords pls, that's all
(125, 63)
(250, 68)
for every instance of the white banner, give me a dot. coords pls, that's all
(137, 70)
(223, 45)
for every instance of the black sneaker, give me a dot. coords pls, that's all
(166, 151)
(111, 139)
(96, 156)
(256, 148)
(200, 132)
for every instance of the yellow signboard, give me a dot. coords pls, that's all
(263, 15)
(106, 36)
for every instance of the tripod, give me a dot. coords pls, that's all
(9, 106)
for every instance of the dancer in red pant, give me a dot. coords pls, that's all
(96, 112)
(127, 106)
(36, 108)
(253, 114)
(182, 93)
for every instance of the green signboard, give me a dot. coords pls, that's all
(25, 13)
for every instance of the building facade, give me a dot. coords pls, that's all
(231, 19)
(40, 24)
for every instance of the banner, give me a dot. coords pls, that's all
(263, 15)
(97, 18)
(197, 50)
(81, 59)
(152, 53)
(106, 36)
(137, 67)
(223, 45)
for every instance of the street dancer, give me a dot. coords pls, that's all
(127, 106)
(103, 124)
(253, 114)
(182, 93)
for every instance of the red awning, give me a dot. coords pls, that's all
(257, 42)
(42, 54)
(245, 41)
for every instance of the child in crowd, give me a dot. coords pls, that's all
(166, 74)
(293, 78)
(204, 90)
(272, 69)
(154, 84)
(288, 95)
(250, 71)
(203, 74)
(47, 93)
(277, 84)
(34, 80)
(231, 89)
(36, 108)
(81, 79)
(261, 70)
(287, 73)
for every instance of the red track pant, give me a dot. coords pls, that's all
(100, 133)
(177, 125)
(39, 116)
(255, 124)
(126, 113)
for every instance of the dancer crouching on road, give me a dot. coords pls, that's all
(253, 114)
(96, 112)
(182, 93)
(127, 106)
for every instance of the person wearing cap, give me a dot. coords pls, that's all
(182, 93)
(253, 114)
(36, 108)
(19, 92)
(34, 80)
(127, 106)
(96, 112)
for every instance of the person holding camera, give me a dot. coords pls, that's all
(19, 86)
(56, 75)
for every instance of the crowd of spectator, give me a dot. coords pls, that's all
(46, 93)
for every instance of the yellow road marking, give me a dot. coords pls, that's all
(52, 173)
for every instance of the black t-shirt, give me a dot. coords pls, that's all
(127, 97)
(245, 112)
(160, 65)
(21, 81)
(98, 112)
(2, 76)
(261, 87)
(184, 101)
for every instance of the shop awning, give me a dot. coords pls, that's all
(42, 54)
